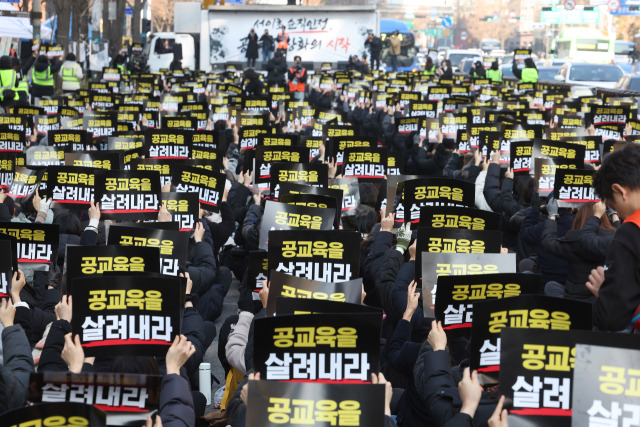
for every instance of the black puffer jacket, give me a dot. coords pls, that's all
(579, 262)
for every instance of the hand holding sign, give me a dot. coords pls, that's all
(17, 284)
(470, 392)
(499, 416)
(7, 312)
(72, 353)
(64, 309)
(596, 279)
(178, 354)
(412, 301)
(437, 338)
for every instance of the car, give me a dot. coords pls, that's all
(623, 51)
(628, 82)
(466, 64)
(590, 75)
(506, 71)
(456, 56)
(547, 73)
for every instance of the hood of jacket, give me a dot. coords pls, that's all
(40, 66)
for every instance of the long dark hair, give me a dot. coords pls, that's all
(584, 213)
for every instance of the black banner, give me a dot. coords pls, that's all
(37, 244)
(281, 403)
(127, 315)
(173, 245)
(208, 184)
(109, 160)
(321, 347)
(456, 217)
(525, 311)
(455, 296)
(284, 216)
(128, 195)
(326, 256)
(67, 413)
(284, 285)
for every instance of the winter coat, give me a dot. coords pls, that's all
(579, 262)
(394, 45)
(469, 172)
(17, 366)
(277, 69)
(375, 46)
(252, 46)
(266, 42)
(176, 404)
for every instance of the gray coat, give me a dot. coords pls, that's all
(17, 365)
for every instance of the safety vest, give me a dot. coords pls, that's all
(529, 75)
(69, 74)
(43, 78)
(494, 75)
(122, 69)
(283, 41)
(7, 81)
(23, 86)
(300, 86)
(476, 75)
(430, 72)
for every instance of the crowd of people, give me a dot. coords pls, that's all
(587, 253)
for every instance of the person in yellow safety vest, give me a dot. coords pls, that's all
(494, 73)
(71, 73)
(8, 80)
(297, 79)
(429, 67)
(23, 85)
(529, 74)
(283, 42)
(42, 77)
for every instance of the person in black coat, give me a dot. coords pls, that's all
(252, 48)
(581, 260)
(375, 48)
(254, 85)
(277, 68)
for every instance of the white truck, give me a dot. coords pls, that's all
(217, 36)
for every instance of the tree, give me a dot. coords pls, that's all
(112, 31)
(135, 19)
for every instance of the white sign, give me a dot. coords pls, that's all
(315, 36)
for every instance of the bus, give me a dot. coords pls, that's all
(584, 45)
(407, 60)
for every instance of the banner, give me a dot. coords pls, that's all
(284, 216)
(525, 311)
(435, 192)
(456, 295)
(538, 377)
(127, 315)
(71, 414)
(84, 261)
(572, 188)
(72, 185)
(318, 347)
(114, 393)
(173, 245)
(128, 195)
(442, 264)
(325, 256)
(277, 403)
(456, 217)
(284, 285)
(208, 184)
(184, 209)
(37, 244)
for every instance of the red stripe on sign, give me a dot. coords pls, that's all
(125, 342)
(170, 158)
(115, 211)
(461, 325)
(13, 196)
(107, 408)
(367, 176)
(578, 200)
(77, 202)
(44, 261)
(522, 170)
(543, 412)
(329, 381)
(495, 368)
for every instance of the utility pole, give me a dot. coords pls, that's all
(36, 18)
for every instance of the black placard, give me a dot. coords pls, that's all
(109, 160)
(127, 315)
(128, 195)
(342, 404)
(457, 217)
(184, 209)
(365, 163)
(326, 256)
(167, 144)
(6, 267)
(435, 192)
(173, 244)
(350, 194)
(284, 285)
(208, 184)
(525, 311)
(284, 216)
(72, 186)
(266, 156)
(37, 244)
(286, 306)
(574, 187)
(340, 348)
(299, 173)
(67, 412)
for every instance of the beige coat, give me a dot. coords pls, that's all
(394, 45)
